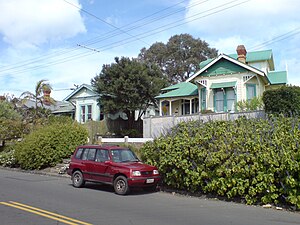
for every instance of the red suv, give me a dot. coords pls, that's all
(112, 165)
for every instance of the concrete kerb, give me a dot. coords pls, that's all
(39, 172)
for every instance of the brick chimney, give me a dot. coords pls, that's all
(241, 52)
(47, 92)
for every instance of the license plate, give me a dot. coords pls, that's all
(149, 181)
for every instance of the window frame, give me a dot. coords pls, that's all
(203, 98)
(86, 113)
(247, 91)
(104, 159)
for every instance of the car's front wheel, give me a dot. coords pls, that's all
(77, 179)
(121, 185)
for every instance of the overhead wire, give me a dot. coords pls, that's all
(114, 34)
(42, 58)
(281, 37)
(71, 49)
(175, 24)
(98, 18)
(38, 59)
(146, 34)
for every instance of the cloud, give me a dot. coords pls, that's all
(247, 18)
(35, 22)
(61, 75)
(259, 25)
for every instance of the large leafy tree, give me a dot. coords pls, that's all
(180, 57)
(128, 85)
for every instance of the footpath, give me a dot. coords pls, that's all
(60, 170)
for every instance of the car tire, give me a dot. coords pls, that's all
(77, 179)
(121, 185)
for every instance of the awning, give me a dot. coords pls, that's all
(223, 85)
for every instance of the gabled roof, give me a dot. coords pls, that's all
(265, 55)
(87, 86)
(183, 89)
(226, 57)
(256, 56)
(277, 77)
(62, 107)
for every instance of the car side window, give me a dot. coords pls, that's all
(102, 155)
(78, 153)
(85, 154)
(91, 154)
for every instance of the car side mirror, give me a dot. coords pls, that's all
(108, 162)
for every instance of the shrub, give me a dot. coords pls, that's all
(48, 145)
(285, 100)
(8, 159)
(255, 103)
(255, 160)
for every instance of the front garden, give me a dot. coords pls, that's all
(255, 161)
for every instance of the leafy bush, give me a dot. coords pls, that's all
(255, 103)
(254, 160)
(48, 145)
(8, 159)
(285, 100)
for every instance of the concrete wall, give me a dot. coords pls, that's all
(154, 127)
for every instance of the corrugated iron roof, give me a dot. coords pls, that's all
(181, 89)
(223, 85)
(250, 57)
(277, 77)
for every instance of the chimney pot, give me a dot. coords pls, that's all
(241, 52)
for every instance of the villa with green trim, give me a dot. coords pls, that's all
(222, 82)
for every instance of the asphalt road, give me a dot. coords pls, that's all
(30, 199)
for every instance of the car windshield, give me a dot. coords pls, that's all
(124, 155)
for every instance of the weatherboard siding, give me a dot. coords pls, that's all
(223, 67)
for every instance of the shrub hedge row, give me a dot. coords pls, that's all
(284, 100)
(256, 161)
(48, 145)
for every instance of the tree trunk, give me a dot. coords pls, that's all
(130, 115)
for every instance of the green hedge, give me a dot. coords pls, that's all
(48, 145)
(256, 161)
(285, 100)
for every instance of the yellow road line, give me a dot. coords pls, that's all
(44, 213)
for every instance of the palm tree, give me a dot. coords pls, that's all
(40, 96)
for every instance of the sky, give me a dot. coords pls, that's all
(66, 42)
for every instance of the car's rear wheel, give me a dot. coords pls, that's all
(121, 185)
(77, 179)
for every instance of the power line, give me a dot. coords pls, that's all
(114, 34)
(145, 34)
(176, 24)
(42, 58)
(92, 49)
(71, 49)
(85, 11)
(281, 37)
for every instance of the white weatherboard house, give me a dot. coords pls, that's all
(85, 100)
(222, 82)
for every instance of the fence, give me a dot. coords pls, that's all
(156, 126)
(125, 140)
